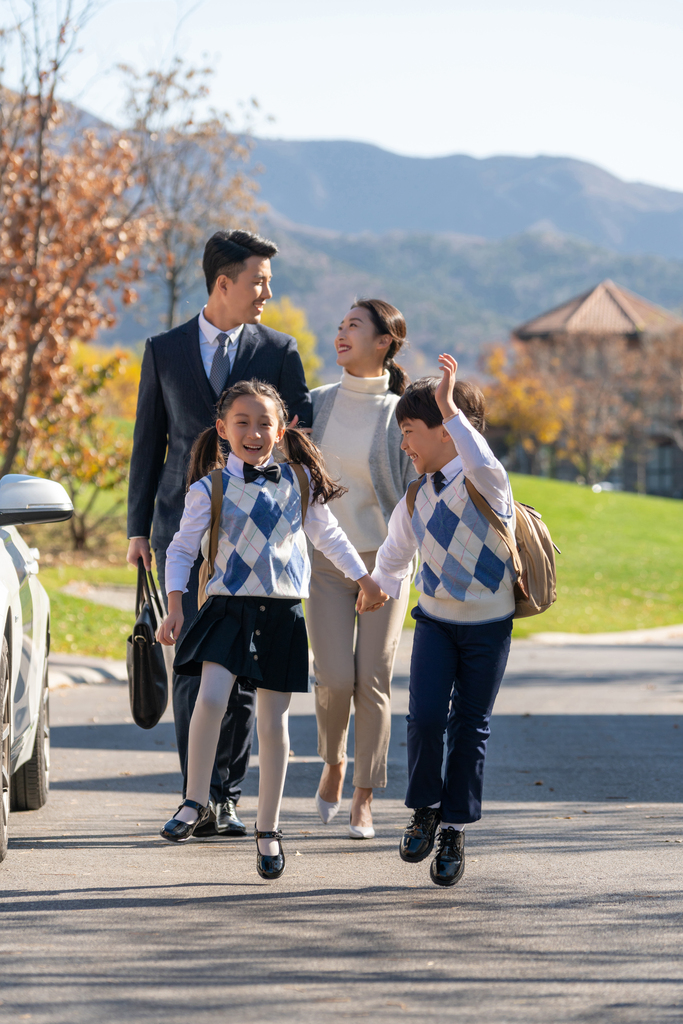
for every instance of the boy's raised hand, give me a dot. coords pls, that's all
(444, 392)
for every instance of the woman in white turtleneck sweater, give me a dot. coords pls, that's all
(354, 424)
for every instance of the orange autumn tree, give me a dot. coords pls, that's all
(521, 401)
(75, 443)
(71, 221)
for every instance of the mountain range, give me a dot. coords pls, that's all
(466, 248)
(354, 187)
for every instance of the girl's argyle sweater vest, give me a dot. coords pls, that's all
(261, 542)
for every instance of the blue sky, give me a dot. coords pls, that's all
(595, 79)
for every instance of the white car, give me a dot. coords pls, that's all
(25, 625)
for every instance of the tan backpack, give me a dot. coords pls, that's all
(531, 547)
(206, 568)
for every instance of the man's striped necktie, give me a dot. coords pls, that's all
(220, 367)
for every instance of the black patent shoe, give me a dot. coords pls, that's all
(209, 826)
(269, 867)
(418, 839)
(177, 831)
(448, 866)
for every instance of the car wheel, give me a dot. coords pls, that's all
(5, 753)
(31, 782)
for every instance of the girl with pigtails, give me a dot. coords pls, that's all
(251, 624)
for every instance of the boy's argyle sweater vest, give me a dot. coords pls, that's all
(464, 575)
(261, 542)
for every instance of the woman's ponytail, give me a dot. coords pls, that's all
(299, 448)
(205, 456)
(398, 378)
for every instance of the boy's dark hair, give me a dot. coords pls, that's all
(227, 251)
(418, 403)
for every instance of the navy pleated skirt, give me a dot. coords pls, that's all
(261, 639)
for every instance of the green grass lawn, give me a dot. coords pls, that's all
(621, 568)
(81, 626)
(621, 565)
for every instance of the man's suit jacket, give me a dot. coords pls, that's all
(176, 403)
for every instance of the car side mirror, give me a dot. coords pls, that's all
(30, 499)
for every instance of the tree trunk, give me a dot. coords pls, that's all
(78, 532)
(18, 412)
(172, 300)
(641, 477)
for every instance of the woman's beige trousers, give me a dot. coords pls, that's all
(353, 663)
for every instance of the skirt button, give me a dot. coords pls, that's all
(262, 608)
(256, 657)
(258, 632)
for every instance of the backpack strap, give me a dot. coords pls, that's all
(497, 523)
(304, 488)
(216, 503)
(411, 494)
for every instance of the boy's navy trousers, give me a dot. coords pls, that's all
(455, 673)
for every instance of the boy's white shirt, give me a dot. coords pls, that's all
(479, 465)
(321, 528)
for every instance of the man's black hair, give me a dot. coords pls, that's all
(226, 252)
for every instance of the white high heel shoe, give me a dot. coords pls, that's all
(326, 810)
(360, 831)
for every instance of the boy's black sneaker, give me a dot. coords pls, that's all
(448, 866)
(418, 838)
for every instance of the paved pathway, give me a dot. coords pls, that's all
(569, 911)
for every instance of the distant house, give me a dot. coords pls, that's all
(609, 310)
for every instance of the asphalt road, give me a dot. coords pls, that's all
(569, 910)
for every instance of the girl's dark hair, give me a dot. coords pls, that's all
(419, 403)
(208, 454)
(387, 319)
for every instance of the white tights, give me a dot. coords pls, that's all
(272, 724)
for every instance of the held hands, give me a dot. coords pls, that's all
(169, 630)
(371, 596)
(444, 392)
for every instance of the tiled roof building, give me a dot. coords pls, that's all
(605, 309)
(604, 313)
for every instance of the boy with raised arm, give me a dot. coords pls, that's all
(464, 614)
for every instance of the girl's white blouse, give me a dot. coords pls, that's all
(321, 528)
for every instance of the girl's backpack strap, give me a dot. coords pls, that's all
(304, 487)
(216, 503)
(497, 524)
(411, 494)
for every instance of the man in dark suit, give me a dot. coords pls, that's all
(184, 371)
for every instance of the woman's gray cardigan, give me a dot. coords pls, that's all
(390, 468)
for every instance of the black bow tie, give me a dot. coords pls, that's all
(252, 473)
(439, 481)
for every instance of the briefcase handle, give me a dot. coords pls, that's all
(147, 590)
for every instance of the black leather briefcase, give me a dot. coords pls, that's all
(147, 676)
